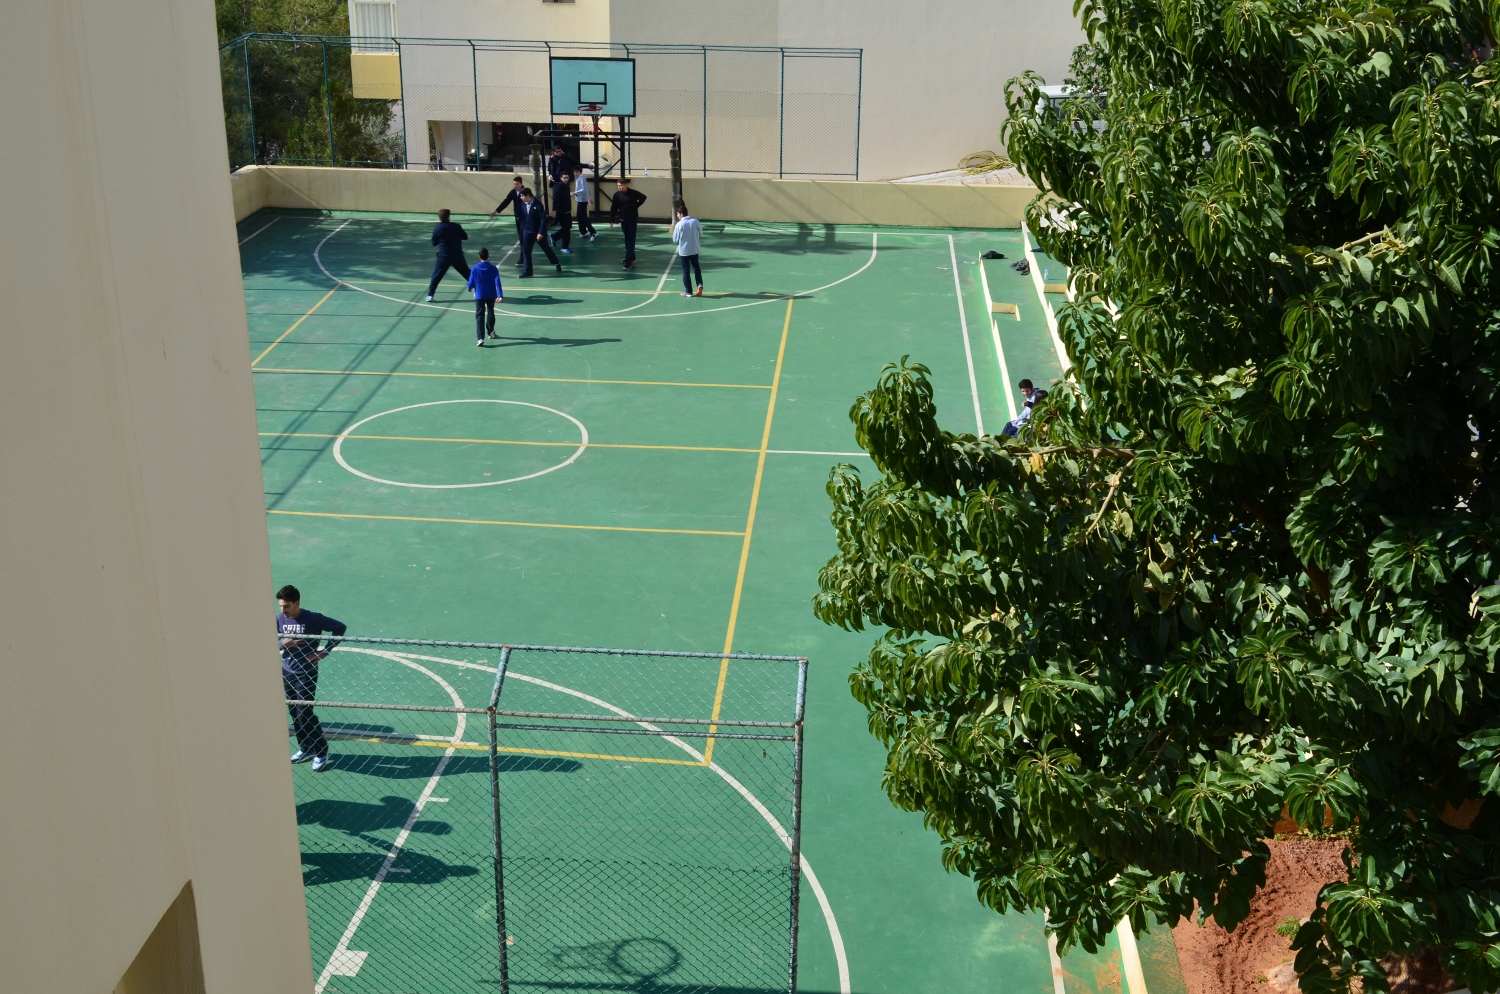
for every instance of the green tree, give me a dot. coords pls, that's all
(1244, 560)
(283, 95)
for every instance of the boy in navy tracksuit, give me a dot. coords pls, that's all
(513, 201)
(299, 632)
(535, 233)
(449, 239)
(484, 280)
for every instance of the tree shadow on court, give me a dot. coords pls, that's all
(422, 767)
(409, 868)
(510, 341)
(359, 818)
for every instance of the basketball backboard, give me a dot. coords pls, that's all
(603, 87)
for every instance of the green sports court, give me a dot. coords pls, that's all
(623, 467)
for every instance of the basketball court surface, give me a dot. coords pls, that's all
(623, 467)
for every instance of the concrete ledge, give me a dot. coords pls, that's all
(800, 201)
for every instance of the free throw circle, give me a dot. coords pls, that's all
(338, 445)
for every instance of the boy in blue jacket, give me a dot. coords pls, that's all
(484, 280)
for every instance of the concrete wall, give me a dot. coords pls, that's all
(800, 201)
(145, 739)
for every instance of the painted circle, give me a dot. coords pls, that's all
(338, 445)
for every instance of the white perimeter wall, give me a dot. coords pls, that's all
(143, 735)
(934, 72)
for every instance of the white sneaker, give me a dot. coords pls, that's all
(480, 343)
(593, 236)
(320, 763)
(301, 757)
(429, 296)
(566, 251)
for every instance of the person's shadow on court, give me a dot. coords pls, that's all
(410, 868)
(422, 767)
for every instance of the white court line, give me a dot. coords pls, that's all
(260, 229)
(786, 839)
(341, 957)
(620, 314)
(963, 322)
(1005, 387)
(1057, 967)
(809, 452)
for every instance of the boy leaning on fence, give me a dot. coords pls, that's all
(300, 633)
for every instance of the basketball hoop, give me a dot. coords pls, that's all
(590, 109)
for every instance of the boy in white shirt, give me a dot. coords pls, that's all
(582, 199)
(687, 233)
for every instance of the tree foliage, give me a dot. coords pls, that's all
(282, 96)
(1246, 559)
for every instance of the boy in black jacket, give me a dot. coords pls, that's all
(625, 206)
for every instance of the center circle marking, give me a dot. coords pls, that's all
(338, 445)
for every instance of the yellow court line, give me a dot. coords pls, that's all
(496, 376)
(444, 744)
(293, 328)
(513, 524)
(507, 441)
(739, 580)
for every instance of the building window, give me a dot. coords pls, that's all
(370, 20)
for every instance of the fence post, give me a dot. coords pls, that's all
(859, 106)
(704, 129)
(796, 819)
(328, 103)
(781, 122)
(501, 934)
(401, 85)
(474, 57)
(250, 106)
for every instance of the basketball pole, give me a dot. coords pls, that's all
(675, 155)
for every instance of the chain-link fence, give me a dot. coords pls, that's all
(491, 817)
(431, 103)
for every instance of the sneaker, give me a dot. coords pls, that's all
(566, 251)
(494, 336)
(629, 263)
(593, 235)
(429, 296)
(480, 343)
(699, 293)
(301, 757)
(559, 267)
(684, 294)
(525, 276)
(320, 763)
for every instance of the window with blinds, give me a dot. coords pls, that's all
(370, 20)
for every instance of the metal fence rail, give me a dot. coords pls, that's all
(573, 838)
(419, 103)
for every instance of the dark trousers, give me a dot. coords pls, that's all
(690, 261)
(484, 317)
(528, 245)
(441, 268)
(585, 226)
(309, 730)
(564, 236)
(628, 227)
(520, 238)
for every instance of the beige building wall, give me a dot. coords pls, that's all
(934, 73)
(140, 706)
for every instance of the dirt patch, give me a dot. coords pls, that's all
(1256, 959)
